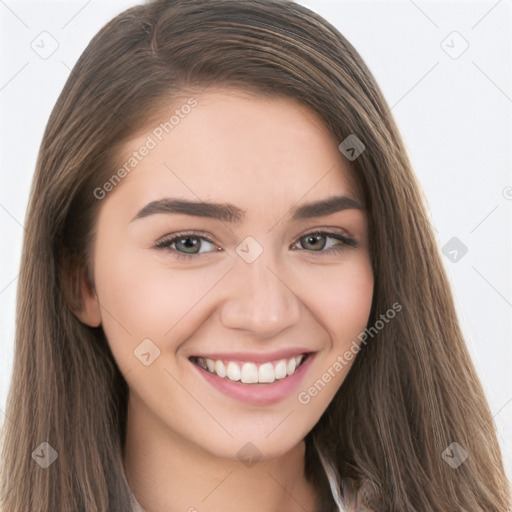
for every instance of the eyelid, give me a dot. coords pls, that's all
(172, 237)
(328, 230)
(345, 239)
(340, 234)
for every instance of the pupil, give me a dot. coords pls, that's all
(314, 238)
(188, 239)
(191, 242)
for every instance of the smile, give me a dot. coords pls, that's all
(250, 372)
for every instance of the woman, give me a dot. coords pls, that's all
(230, 294)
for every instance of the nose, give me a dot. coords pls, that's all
(260, 300)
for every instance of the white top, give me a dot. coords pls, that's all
(330, 476)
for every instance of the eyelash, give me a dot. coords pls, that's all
(165, 243)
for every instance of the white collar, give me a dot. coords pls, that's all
(333, 483)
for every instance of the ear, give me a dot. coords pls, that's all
(88, 310)
(78, 290)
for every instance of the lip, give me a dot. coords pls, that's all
(257, 394)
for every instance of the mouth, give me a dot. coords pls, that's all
(249, 372)
(253, 378)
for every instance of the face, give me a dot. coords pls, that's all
(228, 318)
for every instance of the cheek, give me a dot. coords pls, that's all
(343, 307)
(141, 299)
(343, 299)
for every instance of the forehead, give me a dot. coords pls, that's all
(232, 145)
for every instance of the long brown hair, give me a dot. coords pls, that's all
(412, 390)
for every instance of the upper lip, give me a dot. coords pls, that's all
(255, 357)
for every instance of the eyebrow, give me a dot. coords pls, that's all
(230, 213)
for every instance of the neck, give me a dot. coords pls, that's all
(167, 472)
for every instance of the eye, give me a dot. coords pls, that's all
(189, 243)
(317, 241)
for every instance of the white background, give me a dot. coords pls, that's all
(454, 114)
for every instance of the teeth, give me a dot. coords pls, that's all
(290, 367)
(233, 371)
(250, 373)
(266, 373)
(220, 369)
(280, 369)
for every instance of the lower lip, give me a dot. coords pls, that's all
(257, 394)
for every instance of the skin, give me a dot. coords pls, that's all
(265, 156)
